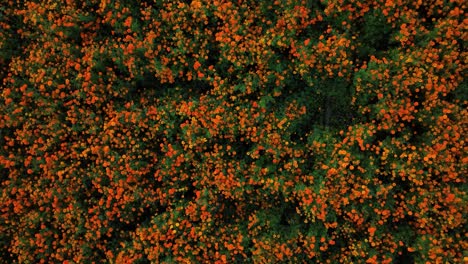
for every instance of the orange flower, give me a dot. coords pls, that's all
(450, 197)
(128, 21)
(196, 65)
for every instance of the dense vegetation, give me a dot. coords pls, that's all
(233, 131)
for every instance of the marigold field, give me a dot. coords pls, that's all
(233, 131)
